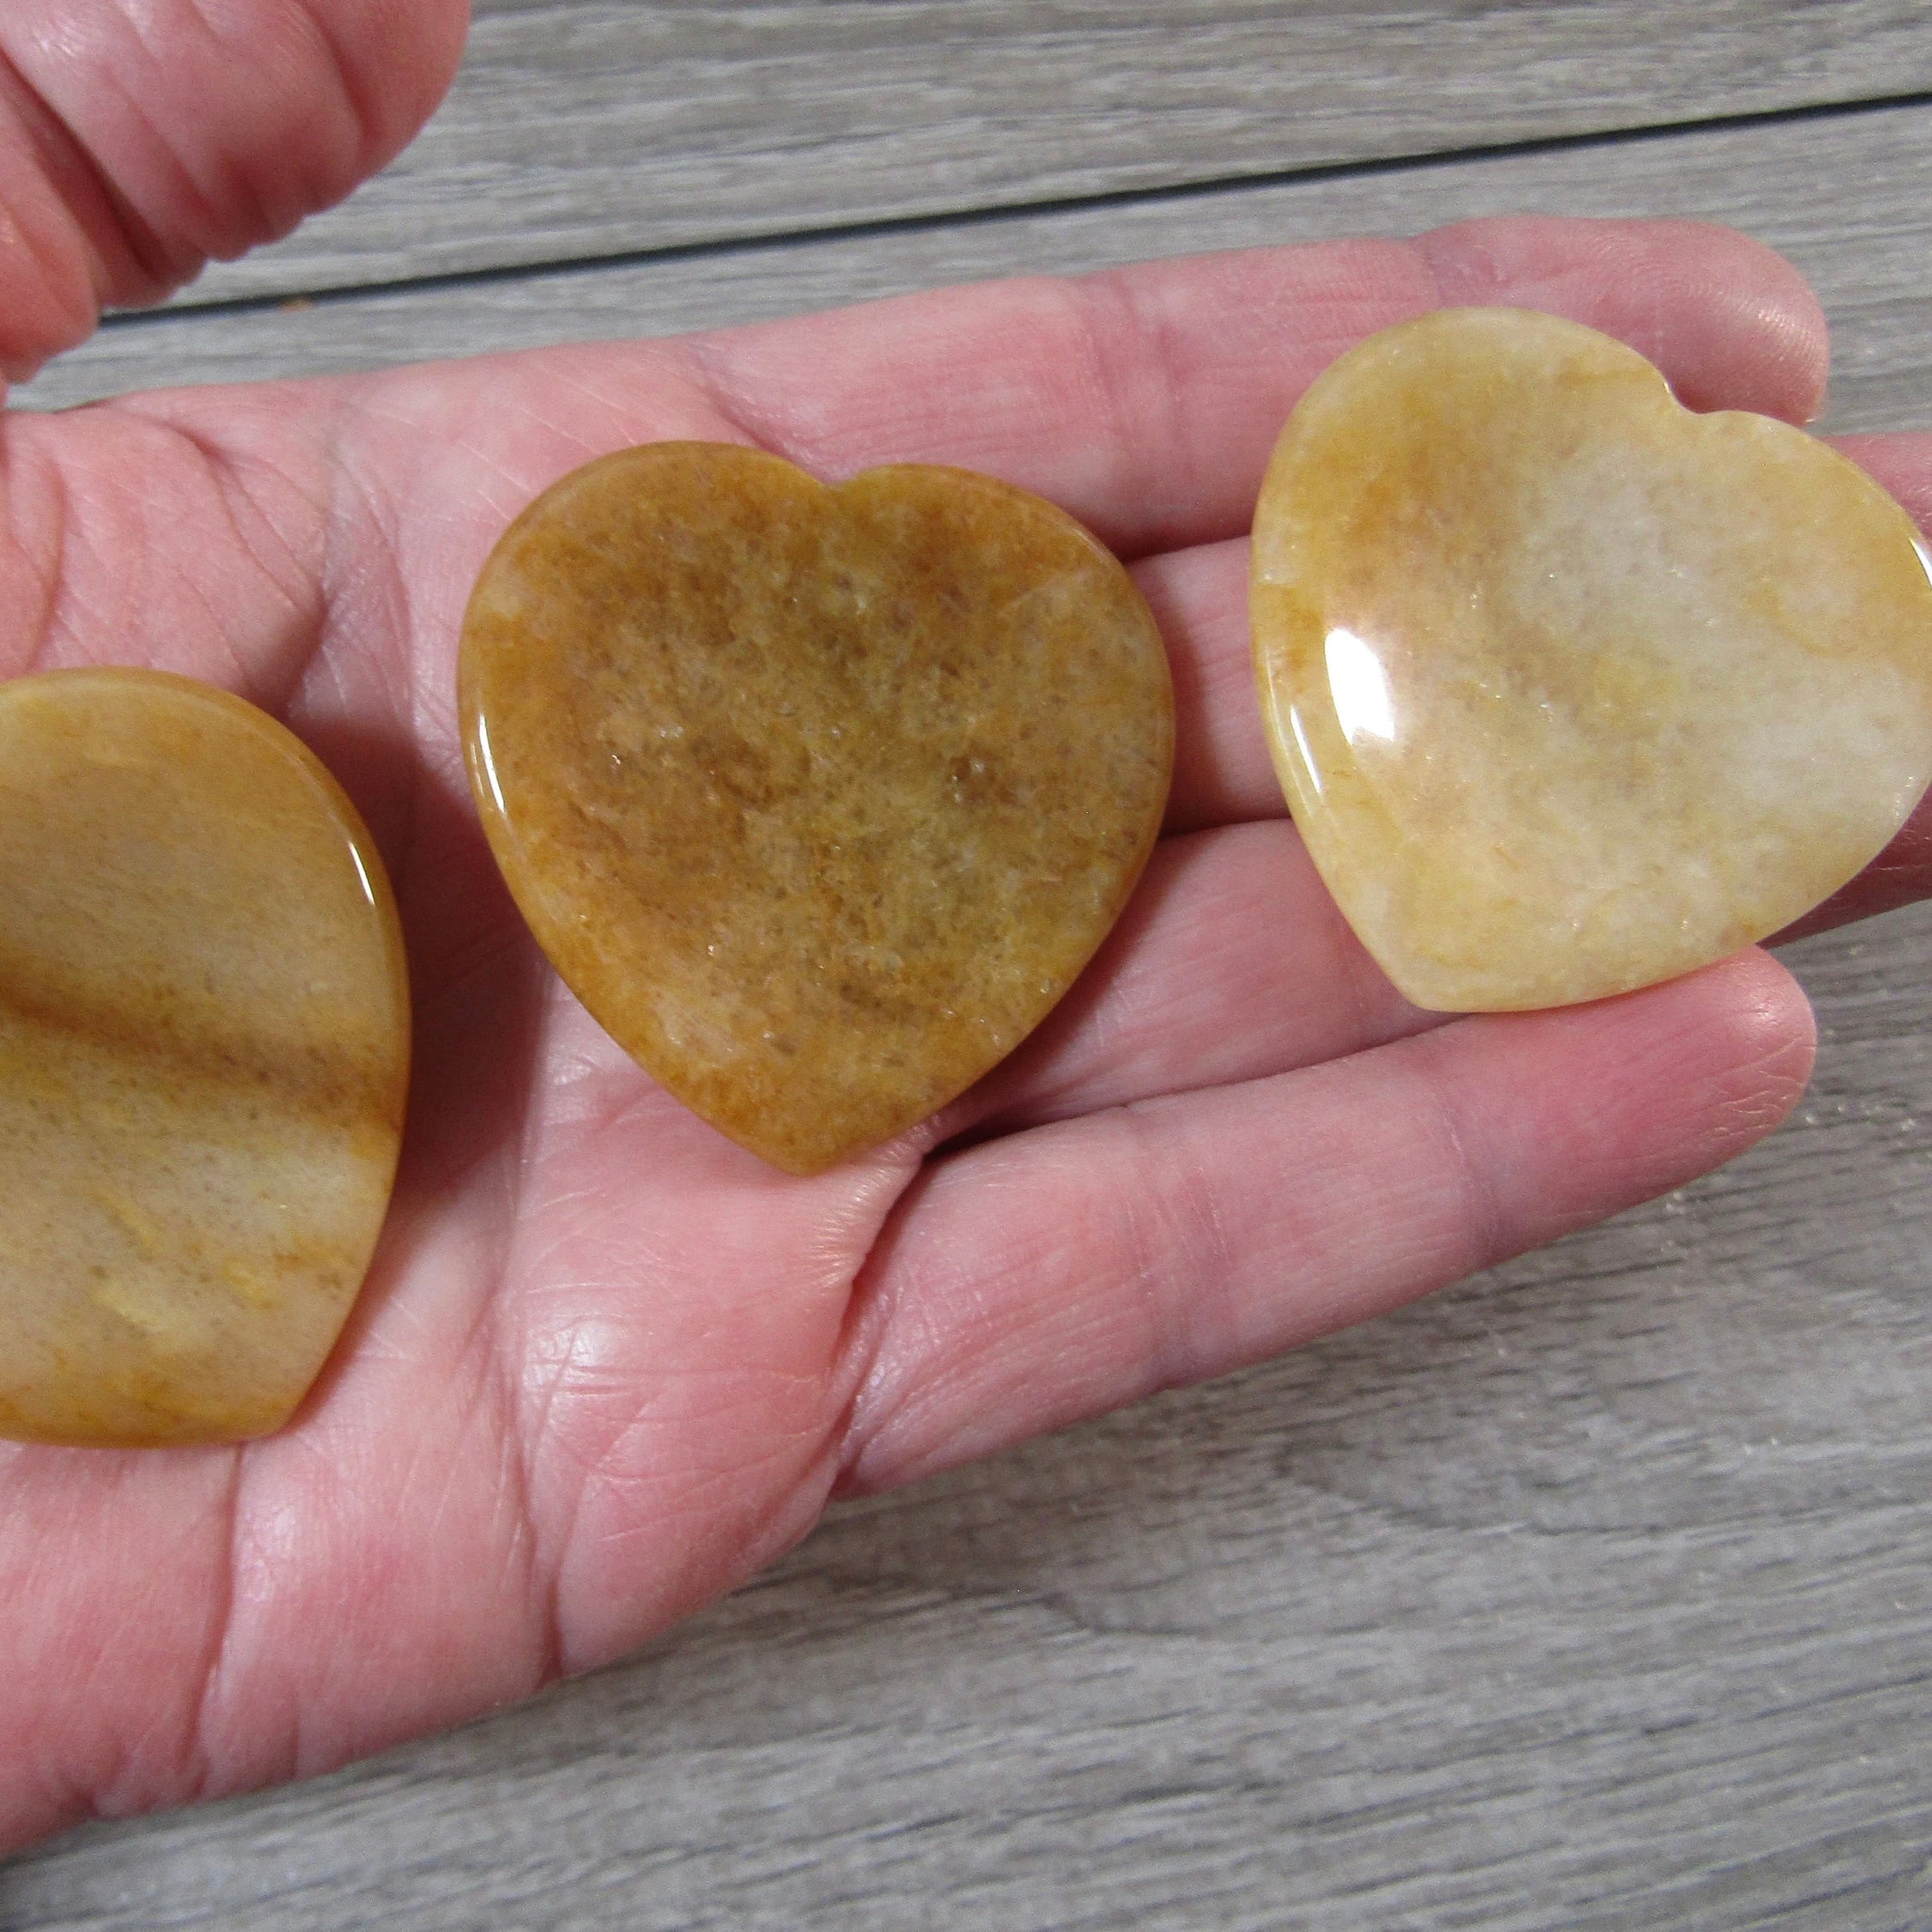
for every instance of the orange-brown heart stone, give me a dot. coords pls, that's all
(1570, 689)
(204, 1054)
(819, 798)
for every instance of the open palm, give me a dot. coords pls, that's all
(606, 1363)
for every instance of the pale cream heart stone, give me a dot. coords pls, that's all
(203, 1057)
(1571, 691)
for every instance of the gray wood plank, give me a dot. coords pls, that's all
(1843, 197)
(585, 128)
(1596, 1593)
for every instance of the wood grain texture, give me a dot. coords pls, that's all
(583, 128)
(1861, 237)
(1596, 1593)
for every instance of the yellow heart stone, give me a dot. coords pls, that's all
(204, 1054)
(1569, 690)
(819, 798)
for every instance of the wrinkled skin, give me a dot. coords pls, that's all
(607, 1365)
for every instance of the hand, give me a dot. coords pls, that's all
(606, 1365)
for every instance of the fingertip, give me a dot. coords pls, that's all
(395, 99)
(1752, 1029)
(1710, 1063)
(1753, 334)
(1729, 321)
(1583, 1111)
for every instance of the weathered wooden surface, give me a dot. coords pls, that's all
(1594, 1594)
(584, 128)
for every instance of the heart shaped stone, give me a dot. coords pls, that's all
(819, 798)
(1570, 689)
(204, 1055)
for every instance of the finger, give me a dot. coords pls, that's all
(338, 526)
(1230, 963)
(1223, 775)
(141, 138)
(1146, 401)
(1033, 1281)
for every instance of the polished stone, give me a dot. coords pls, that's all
(204, 1054)
(818, 797)
(1569, 690)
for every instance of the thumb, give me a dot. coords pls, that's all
(141, 138)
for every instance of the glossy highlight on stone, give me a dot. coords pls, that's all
(204, 1059)
(1571, 691)
(817, 798)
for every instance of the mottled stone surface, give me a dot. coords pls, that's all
(819, 798)
(1571, 691)
(203, 1057)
